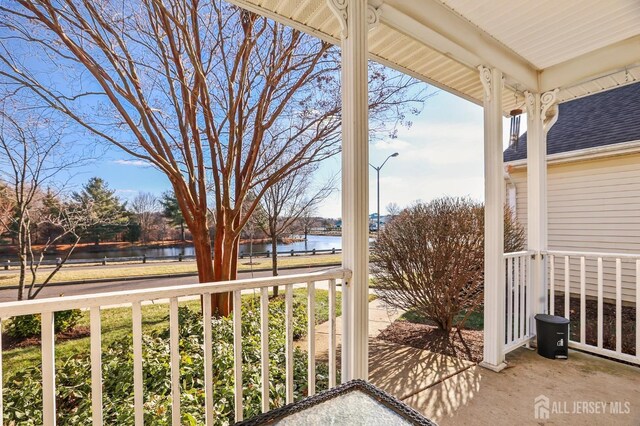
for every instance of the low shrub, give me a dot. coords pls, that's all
(23, 398)
(430, 259)
(26, 326)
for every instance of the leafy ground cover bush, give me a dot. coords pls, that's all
(26, 326)
(23, 399)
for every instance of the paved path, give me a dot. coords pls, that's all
(405, 372)
(7, 295)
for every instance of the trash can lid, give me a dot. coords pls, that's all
(552, 319)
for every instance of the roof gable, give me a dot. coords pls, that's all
(605, 118)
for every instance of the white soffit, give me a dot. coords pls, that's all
(546, 43)
(548, 32)
(386, 44)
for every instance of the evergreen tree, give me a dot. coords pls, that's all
(111, 216)
(171, 210)
(133, 233)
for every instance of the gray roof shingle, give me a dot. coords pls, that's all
(602, 119)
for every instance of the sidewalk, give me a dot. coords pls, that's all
(405, 372)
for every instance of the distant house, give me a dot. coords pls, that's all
(593, 179)
(373, 221)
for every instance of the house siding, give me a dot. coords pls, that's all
(594, 206)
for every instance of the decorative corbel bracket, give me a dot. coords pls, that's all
(486, 80)
(340, 9)
(548, 107)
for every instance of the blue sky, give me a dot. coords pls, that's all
(440, 154)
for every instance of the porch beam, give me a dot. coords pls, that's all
(494, 269)
(438, 27)
(355, 184)
(597, 63)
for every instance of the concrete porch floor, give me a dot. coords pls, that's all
(454, 392)
(451, 391)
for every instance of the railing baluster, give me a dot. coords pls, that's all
(637, 308)
(521, 286)
(96, 365)
(583, 300)
(174, 348)
(208, 359)
(509, 300)
(288, 308)
(600, 301)
(311, 324)
(528, 325)
(1, 376)
(237, 353)
(618, 305)
(48, 370)
(552, 285)
(332, 333)
(567, 289)
(264, 345)
(138, 395)
(136, 314)
(516, 298)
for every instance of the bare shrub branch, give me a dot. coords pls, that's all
(430, 259)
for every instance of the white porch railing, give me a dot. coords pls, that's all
(94, 302)
(607, 283)
(518, 300)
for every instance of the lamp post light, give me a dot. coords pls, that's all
(377, 169)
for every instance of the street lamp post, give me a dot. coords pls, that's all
(377, 169)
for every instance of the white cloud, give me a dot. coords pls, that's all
(391, 145)
(135, 163)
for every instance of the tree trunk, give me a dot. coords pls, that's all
(224, 266)
(22, 255)
(206, 269)
(274, 259)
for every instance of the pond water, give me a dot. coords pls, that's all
(318, 242)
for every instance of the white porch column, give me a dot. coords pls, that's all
(353, 16)
(541, 115)
(494, 270)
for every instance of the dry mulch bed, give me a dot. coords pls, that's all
(463, 344)
(628, 316)
(9, 342)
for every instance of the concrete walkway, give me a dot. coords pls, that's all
(402, 371)
(380, 317)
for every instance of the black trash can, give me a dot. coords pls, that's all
(553, 336)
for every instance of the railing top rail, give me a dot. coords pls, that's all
(519, 253)
(54, 304)
(591, 254)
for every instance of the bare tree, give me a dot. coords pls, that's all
(285, 201)
(393, 209)
(306, 221)
(34, 154)
(203, 90)
(6, 208)
(145, 206)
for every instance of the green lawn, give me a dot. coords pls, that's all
(474, 322)
(116, 326)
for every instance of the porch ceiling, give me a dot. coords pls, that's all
(579, 46)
